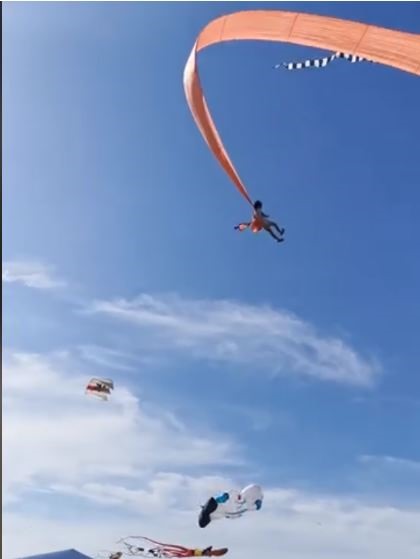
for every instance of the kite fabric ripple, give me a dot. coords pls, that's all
(393, 48)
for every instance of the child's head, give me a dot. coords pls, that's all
(257, 205)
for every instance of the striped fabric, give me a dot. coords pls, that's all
(320, 62)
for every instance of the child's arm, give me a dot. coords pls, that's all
(242, 226)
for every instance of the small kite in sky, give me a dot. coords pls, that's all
(99, 387)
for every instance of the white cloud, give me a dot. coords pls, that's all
(54, 435)
(31, 274)
(260, 337)
(64, 452)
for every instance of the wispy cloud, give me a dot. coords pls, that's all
(258, 419)
(35, 275)
(260, 337)
(110, 358)
(391, 461)
(391, 478)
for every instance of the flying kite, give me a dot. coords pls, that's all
(167, 551)
(232, 504)
(99, 387)
(346, 39)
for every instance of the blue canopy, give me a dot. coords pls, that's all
(65, 554)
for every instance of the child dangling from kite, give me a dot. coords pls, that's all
(260, 221)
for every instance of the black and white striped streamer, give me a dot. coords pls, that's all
(321, 62)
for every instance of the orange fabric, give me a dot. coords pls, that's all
(386, 46)
(256, 225)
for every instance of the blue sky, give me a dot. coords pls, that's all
(297, 363)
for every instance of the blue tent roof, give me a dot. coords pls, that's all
(65, 554)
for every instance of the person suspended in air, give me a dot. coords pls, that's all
(260, 221)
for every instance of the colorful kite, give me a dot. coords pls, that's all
(101, 388)
(166, 550)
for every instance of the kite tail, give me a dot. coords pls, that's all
(173, 549)
(321, 62)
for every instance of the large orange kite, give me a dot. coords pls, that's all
(386, 46)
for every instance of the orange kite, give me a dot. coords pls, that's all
(386, 46)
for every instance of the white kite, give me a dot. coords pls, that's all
(232, 504)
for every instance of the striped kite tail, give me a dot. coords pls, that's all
(321, 62)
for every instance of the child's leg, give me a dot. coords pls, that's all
(278, 239)
(274, 224)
